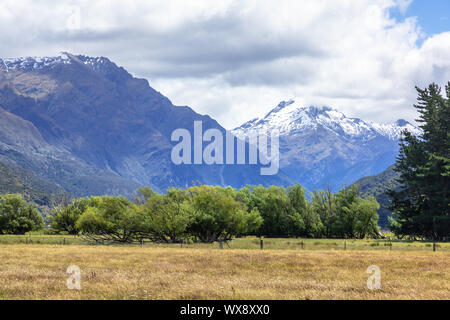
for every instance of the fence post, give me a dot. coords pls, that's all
(434, 231)
(302, 244)
(261, 244)
(345, 244)
(220, 244)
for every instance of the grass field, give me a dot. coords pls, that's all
(38, 271)
(252, 243)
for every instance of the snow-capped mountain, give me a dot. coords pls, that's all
(291, 118)
(118, 128)
(321, 147)
(89, 126)
(33, 63)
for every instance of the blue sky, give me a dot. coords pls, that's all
(433, 16)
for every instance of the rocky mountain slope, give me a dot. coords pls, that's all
(22, 145)
(89, 126)
(320, 146)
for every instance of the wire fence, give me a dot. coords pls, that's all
(251, 243)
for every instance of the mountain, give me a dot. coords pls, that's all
(19, 180)
(91, 127)
(320, 146)
(376, 186)
(22, 145)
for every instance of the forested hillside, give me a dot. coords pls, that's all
(376, 186)
(18, 180)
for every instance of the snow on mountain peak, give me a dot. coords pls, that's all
(33, 63)
(289, 117)
(101, 65)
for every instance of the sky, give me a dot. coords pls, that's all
(237, 59)
(433, 16)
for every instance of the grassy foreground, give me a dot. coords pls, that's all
(38, 271)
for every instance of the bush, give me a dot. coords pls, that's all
(217, 215)
(63, 218)
(18, 216)
(166, 217)
(111, 219)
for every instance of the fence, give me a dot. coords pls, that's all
(252, 243)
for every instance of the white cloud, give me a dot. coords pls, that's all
(235, 60)
(403, 5)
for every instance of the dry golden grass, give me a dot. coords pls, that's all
(113, 272)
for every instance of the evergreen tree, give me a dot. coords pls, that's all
(422, 206)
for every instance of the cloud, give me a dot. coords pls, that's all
(403, 5)
(235, 60)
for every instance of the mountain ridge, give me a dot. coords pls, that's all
(300, 118)
(98, 114)
(320, 147)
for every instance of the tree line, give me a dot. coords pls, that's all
(212, 213)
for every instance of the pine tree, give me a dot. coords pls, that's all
(422, 206)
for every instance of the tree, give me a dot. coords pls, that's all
(366, 217)
(63, 218)
(324, 205)
(217, 215)
(304, 220)
(166, 217)
(273, 205)
(421, 206)
(144, 193)
(17, 216)
(344, 225)
(111, 219)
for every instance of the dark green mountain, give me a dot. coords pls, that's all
(376, 186)
(26, 183)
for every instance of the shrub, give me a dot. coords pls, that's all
(17, 216)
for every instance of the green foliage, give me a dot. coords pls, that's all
(366, 217)
(217, 215)
(421, 207)
(113, 219)
(17, 180)
(345, 214)
(304, 220)
(203, 213)
(273, 205)
(324, 205)
(344, 224)
(17, 216)
(166, 217)
(63, 218)
(377, 186)
(211, 213)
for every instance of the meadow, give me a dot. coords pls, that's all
(321, 269)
